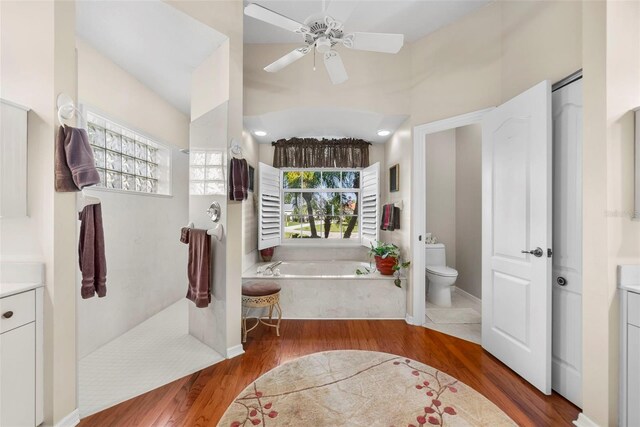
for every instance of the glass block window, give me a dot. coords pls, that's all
(207, 172)
(127, 160)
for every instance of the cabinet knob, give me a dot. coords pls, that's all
(8, 315)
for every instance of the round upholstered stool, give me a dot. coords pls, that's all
(260, 295)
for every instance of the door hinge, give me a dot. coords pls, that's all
(549, 252)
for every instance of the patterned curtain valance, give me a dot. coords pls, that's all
(321, 153)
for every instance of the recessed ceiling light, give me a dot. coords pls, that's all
(384, 132)
(260, 133)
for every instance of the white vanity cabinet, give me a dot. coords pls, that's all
(21, 317)
(629, 282)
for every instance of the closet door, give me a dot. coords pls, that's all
(567, 242)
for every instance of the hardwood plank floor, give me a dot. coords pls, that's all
(201, 399)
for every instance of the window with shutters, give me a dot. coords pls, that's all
(316, 206)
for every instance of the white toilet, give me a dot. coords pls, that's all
(440, 277)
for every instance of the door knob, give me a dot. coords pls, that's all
(8, 315)
(537, 252)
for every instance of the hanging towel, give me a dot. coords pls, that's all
(396, 218)
(238, 180)
(74, 163)
(91, 254)
(390, 218)
(198, 265)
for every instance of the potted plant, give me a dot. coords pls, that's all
(267, 254)
(386, 256)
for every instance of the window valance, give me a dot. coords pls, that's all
(321, 153)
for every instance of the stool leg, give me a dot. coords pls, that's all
(270, 312)
(244, 325)
(279, 318)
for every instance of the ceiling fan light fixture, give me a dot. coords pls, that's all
(384, 132)
(323, 44)
(259, 133)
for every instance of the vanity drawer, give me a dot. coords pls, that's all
(633, 309)
(17, 310)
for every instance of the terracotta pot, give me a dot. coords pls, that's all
(385, 265)
(267, 254)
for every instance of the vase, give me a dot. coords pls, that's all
(385, 265)
(267, 254)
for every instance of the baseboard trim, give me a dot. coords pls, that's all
(71, 420)
(468, 295)
(412, 321)
(584, 421)
(235, 351)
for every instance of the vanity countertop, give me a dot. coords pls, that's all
(8, 289)
(629, 277)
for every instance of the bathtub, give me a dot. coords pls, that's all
(333, 290)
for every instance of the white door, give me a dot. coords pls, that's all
(567, 242)
(516, 217)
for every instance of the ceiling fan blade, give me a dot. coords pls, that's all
(375, 42)
(269, 16)
(335, 67)
(341, 10)
(288, 59)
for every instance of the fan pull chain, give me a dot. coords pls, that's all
(314, 59)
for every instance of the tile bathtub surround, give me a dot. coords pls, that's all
(304, 253)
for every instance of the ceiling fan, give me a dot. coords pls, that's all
(322, 32)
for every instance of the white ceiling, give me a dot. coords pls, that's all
(323, 122)
(151, 40)
(413, 18)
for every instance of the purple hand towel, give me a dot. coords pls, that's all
(91, 253)
(75, 166)
(238, 180)
(64, 179)
(198, 267)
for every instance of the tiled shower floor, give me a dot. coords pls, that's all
(154, 353)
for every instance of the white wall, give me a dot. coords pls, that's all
(125, 99)
(469, 209)
(209, 131)
(227, 18)
(250, 150)
(440, 166)
(146, 263)
(37, 62)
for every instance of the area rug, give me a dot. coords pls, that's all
(453, 315)
(360, 388)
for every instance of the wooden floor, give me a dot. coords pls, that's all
(201, 399)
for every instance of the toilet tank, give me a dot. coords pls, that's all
(434, 254)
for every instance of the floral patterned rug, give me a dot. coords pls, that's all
(360, 388)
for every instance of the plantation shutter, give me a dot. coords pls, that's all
(270, 206)
(370, 193)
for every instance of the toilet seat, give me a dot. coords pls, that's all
(441, 270)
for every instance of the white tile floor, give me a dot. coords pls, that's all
(467, 331)
(154, 353)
